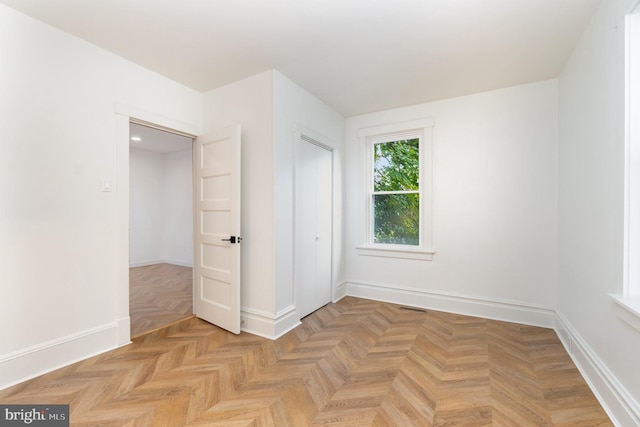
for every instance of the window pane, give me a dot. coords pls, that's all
(396, 165)
(396, 218)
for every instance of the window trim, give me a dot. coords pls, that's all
(422, 129)
(628, 302)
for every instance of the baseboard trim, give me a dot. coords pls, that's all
(133, 264)
(621, 407)
(268, 325)
(40, 359)
(340, 291)
(159, 261)
(123, 331)
(178, 263)
(508, 311)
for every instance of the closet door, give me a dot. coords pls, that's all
(313, 233)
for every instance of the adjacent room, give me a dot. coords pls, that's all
(412, 212)
(161, 228)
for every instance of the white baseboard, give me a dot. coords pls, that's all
(144, 263)
(509, 311)
(31, 362)
(267, 325)
(123, 331)
(178, 262)
(621, 407)
(159, 261)
(340, 291)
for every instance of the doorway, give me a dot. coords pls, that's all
(313, 224)
(161, 228)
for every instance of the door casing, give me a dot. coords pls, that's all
(124, 114)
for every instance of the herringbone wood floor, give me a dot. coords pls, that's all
(159, 294)
(353, 363)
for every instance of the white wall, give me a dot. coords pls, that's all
(178, 208)
(494, 208)
(590, 212)
(146, 207)
(161, 208)
(296, 110)
(58, 230)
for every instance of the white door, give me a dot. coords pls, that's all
(313, 227)
(216, 290)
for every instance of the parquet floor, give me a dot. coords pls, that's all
(354, 363)
(159, 294)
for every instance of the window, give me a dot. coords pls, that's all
(398, 187)
(395, 194)
(629, 300)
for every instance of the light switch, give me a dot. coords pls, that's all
(106, 186)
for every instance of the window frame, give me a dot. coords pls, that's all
(628, 302)
(422, 130)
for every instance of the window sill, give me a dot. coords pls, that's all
(397, 252)
(628, 309)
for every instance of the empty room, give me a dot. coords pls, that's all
(412, 212)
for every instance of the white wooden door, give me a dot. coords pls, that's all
(216, 290)
(313, 218)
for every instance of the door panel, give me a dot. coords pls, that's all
(313, 227)
(216, 222)
(216, 293)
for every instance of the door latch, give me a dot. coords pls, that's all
(232, 239)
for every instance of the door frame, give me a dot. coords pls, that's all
(314, 138)
(124, 114)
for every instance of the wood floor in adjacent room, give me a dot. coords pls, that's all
(159, 294)
(353, 363)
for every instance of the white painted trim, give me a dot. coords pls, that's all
(393, 251)
(423, 130)
(39, 359)
(509, 311)
(122, 225)
(631, 267)
(123, 330)
(395, 127)
(145, 263)
(156, 119)
(628, 309)
(340, 291)
(178, 263)
(619, 404)
(160, 261)
(285, 324)
(268, 325)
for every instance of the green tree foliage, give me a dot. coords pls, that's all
(396, 169)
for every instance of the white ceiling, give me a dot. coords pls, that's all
(357, 56)
(157, 140)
